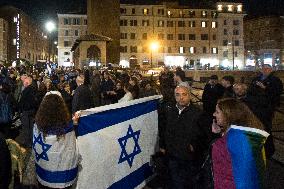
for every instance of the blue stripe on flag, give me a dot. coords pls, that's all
(244, 167)
(101, 120)
(56, 176)
(134, 179)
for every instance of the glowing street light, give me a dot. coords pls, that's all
(50, 27)
(154, 47)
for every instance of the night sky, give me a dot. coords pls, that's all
(45, 9)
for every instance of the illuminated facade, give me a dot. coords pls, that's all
(25, 38)
(186, 36)
(264, 40)
(3, 40)
(70, 28)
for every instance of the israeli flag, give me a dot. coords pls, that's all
(116, 143)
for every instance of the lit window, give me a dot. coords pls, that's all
(181, 50)
(203, 24)
(15, 19)
(204, 14)
(240, 8)
(192, 50)
(230, 8)
(145, 11)
(169, 13)
(14, 41)
(220, 7)
(160, 23)
(214, 50)
(191, 24)
(214, 25)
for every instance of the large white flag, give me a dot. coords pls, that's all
(116, 143)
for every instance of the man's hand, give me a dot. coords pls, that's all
(76, 117)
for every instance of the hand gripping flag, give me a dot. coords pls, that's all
(116, 143)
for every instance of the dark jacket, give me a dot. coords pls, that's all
(5, 165)
(178, 132)
(229, 92)
(273, 90)
(82, 99)
(28, 100)
(210, 96)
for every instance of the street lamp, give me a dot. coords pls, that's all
(154, 46)
(50, 27)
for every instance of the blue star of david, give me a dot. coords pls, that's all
(44, 147)
(123, 141)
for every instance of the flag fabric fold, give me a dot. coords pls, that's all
(116, 143)
(239, 158)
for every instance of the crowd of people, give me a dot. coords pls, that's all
(196, 144)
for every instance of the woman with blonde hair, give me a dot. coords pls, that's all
(54, 144)
(238, 157)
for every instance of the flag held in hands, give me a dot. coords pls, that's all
(116, 143)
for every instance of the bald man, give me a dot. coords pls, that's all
(184, 137)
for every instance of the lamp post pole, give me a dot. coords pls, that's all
(151, 58)
(233, 49)
(50, 26)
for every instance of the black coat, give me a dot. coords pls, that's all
(82, 99)
(210, 96)
(273, 90)
(28, 100)
(5, 165)
(178, 132)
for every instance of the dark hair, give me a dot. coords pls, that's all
(214, 77)
(181, 74)
(229, 78)
(53, 115)
(237, 113)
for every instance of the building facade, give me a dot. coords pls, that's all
(25, 38)
(173, 35)
(264, 40)
(70, 28)
(103, 20)
(3, 40)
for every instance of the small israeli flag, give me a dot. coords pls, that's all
(116, 143)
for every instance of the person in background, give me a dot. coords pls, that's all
(54, 144)
(267, 88)
(228, 82)
(5, 165)
(27, 106)
(82, 98)
(135, 87)
(95, 88)
(118, 93)
(183, 131)
(106, 86)
(128, 94)
(213, 91)
(179, 78)
(238, 160)
(148, 90)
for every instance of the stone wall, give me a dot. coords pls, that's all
(246, 76)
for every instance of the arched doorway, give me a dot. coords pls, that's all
(94, 53)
